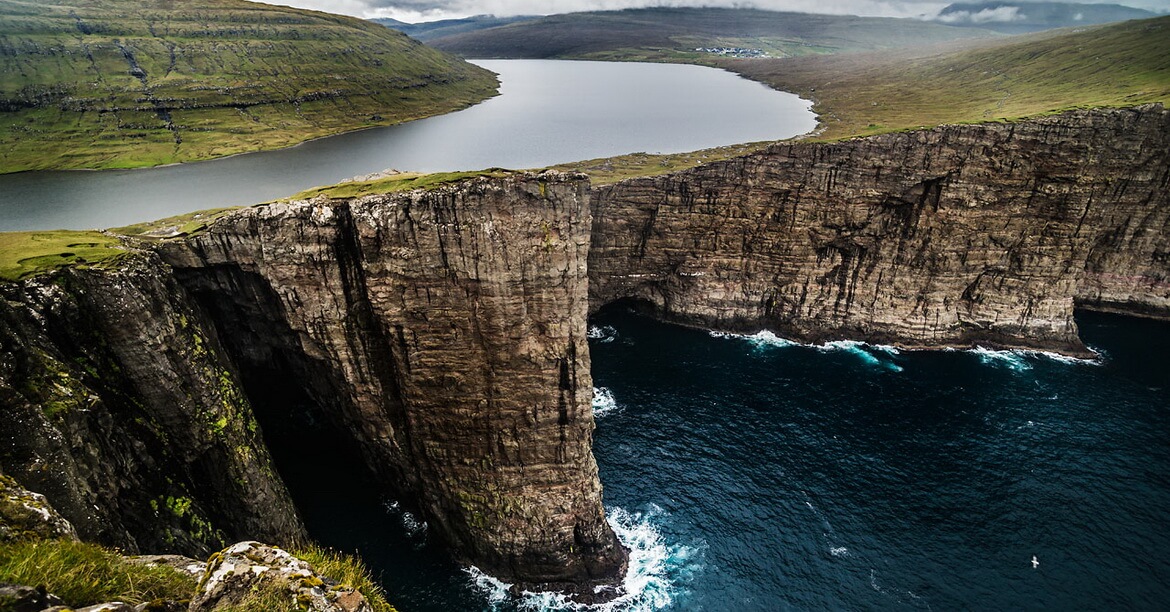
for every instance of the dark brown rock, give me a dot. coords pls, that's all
(444, 329)
(118, 405)
(956, 235)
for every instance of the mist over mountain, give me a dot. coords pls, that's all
(1018, 17)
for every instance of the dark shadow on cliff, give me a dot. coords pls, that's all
(344, 503)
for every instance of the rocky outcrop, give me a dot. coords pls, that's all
(445, 331)
(236, 574)
(119, 406)
(987, 234)
(25, 515)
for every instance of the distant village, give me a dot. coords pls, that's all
(733, 51)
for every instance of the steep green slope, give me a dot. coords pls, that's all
(1115, 65)
(121, 83)
(675, 33)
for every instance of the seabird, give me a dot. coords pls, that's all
(1035, 562)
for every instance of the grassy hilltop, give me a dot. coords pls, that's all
(859, 94)
(673, 34)
(122, 83)
(1122, 64)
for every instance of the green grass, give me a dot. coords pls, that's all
(348, 570)
(172, 227)
(25, 254)
(1104, 66)
(119, 83)
(405, 181)
(86, 574)
(608, 170)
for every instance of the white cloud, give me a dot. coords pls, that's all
(428, 10)
(1003, 14)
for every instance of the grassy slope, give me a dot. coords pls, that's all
(1114, 65)
(673, 34)
(121, 83)
(85, 574)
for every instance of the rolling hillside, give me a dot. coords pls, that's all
(1113, 65)
(675, 33)
(120, 83)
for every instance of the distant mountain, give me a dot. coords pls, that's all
(448, 27)
(1021, 16)
(694, 34)
(124, 83)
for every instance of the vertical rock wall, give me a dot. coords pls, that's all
(117, 403)
(446, 330)
(954, 235)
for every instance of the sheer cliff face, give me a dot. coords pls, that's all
(446, 331)
(119, 406)
(959, 234)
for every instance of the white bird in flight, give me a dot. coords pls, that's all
(1035, 562)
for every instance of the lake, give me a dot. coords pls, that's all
(548, 112)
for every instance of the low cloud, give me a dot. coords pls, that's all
(429, 10)
(426, 10)
(1002, 14)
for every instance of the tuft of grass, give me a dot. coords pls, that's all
(25, 254)
(1117, 65)
(405, 181)
(347, 570)
(86, 574)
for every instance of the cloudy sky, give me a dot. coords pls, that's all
(428, 10)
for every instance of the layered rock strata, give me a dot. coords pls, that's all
(956, 235)
(445, 331)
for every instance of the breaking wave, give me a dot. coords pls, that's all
(871, 354)
(601, 333)
(603, 402)
(657, 576)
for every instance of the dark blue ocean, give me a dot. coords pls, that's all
(749, 473)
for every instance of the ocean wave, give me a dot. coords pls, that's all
(1020, 360)
(863, 350)
(656, 578)
(603, 402)
(602, 333)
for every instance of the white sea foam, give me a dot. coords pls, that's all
(839, 551)
(415, 527)
(603, 402)
(656, 577)
(1013, 360)
(601, 333)
(863, 350)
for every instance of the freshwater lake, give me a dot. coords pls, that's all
(548, 112)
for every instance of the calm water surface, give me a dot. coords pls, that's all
(747, 473)
(548, 112)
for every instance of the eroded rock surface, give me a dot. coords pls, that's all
(445, 330)
(949, 236)
(119, 406)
